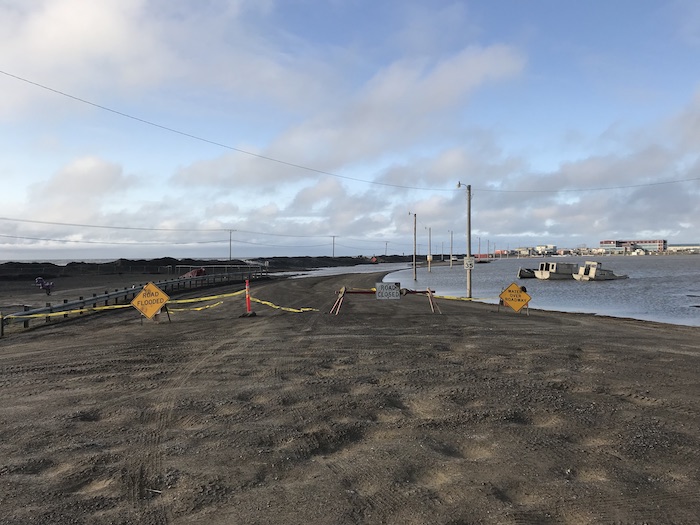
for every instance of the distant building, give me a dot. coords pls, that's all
(684, 248)
(546, 249)
(654, 246)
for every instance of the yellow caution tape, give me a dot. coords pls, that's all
(196, 309)
(454, 298)
(79, 311)
(207, 298)
(284, 308)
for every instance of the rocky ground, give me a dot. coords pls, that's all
(384, 413)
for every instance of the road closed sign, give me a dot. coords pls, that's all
(515, 296)
(388, 290)
(150, 300)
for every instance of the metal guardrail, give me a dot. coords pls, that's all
(125, 295)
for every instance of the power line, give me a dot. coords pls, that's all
(284, 234)
(314, 170)
(602, 188)
(251, 243)
(130, 243)
(51, 223)
(208, 141)
(76, 225)
(160, 243)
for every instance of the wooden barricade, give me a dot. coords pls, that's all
(371, 291)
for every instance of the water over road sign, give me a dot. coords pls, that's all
(515, 297)
(150, 300)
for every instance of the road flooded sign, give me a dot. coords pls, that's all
(515, 297)
(150, 300)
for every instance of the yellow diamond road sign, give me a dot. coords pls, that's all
(150, 300)
(515, 297)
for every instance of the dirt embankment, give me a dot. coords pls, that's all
(385, 413)
(28, 271)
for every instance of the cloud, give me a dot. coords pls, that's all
(688, 19)
(339, 121)
(82, 181)
(85, 48)
(403, 104)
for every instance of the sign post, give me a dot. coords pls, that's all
(150, 300)
(388, 291)
(515, 296)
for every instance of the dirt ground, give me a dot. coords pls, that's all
(384, 414)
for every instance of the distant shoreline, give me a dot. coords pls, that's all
(22, 270)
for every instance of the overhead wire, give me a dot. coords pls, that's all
(315, 170)
(101, 226)
(208, 141)
(262, 157)
(161, 243)
(130, 243)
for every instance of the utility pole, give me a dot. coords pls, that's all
(451, 234)
(415, 277)
(469, 238)
(230, 242)
(333, 245)
(430, 249)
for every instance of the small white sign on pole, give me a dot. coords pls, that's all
(388, 290)
(469, 263)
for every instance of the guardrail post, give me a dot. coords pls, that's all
(83, 306)
(94, 305)
(107, 299)
(64, 302)
(2, 325)
(26, 322)
(48, 317)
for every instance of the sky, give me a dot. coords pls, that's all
(251, 128)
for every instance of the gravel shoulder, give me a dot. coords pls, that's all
(385, 413)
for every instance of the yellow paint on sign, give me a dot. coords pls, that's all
(150, 300)
(515, 297)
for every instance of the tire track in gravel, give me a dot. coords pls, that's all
(371, 416)
(144, 475)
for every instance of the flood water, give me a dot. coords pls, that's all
(659, 288)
